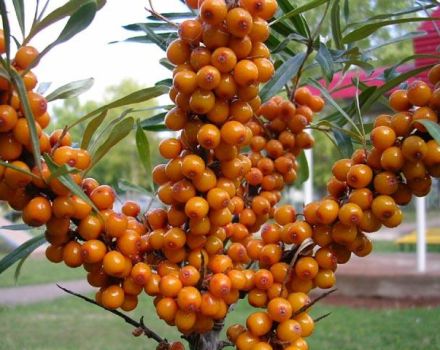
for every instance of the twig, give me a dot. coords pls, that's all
(147, 331)
(158, 15)
(305, 307)
(60, 139)
(322, 317)
(224, 344)
(304, 245)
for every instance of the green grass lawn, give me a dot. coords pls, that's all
(70, 323)
(39, 270)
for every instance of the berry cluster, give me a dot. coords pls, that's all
(221, 235)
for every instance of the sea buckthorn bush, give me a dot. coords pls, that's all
(223, 232)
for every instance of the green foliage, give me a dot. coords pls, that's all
(122, 160)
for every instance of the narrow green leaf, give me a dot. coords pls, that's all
(135, 97)
(325, 60)
(63, 170)
(407, 36)
(21, 251)
(335, 18)
(291, 37)
(155, 38)
(137, 27)
(158, 119)
(91, 128)
(19, 12)
(67, 10)
(346, 11)
(16, 227)
(403, 12)
(19, 266)
(345, 145)
(67, 181)
(303, 167)
(6, 31)
(78, 21)
(20, 170)
(174, 15)
(433, 128)
(306, 7)
(282, 76)
(391, 84)
(119, 132)
(165, 82)
(330, 99)
(127, 186)
(143, 148)
(70, 90)
(167, 64)
(22, 93)
(368, 29)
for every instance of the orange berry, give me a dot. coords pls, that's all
(93, 251)
(26, 56)
(419, 93)
(178, 52)
(399, 101)
(112, 297)
(239, 22)
(72, 254)
(213, 11)
(279, 309)
(259, 323)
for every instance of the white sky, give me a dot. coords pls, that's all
(89, 55)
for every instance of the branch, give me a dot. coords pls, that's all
(305, 307)
(322, 317)
(304, 245)
(158, 15)
(139, 325)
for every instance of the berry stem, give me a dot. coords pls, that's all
(307, 306)
(158, 15)
(320, 318)
(147, 331)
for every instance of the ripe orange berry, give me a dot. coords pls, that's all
(279, 309)
(220, 285)
(399, 101)
(112, 297)
(239, 22)
(350, 214)
(202, 101)
(259, 323)
(383, 137)
(114, 263)
(37, 212)
(166, 309)
(245, 73)
(213, 11)
(26, 56)
(93, 251)
(190, 31)
(178, 52)
(414, 148)
(383, 207)
(233, 133)
(359, 176)
(289, 330)
(103, 197)
(8, 118)
(209, 136)
(419, 93)
(306, 268)
(72, 254)
(189, 299)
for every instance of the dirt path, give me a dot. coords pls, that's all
(40, 292)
